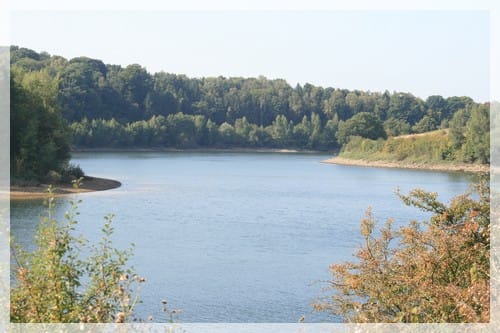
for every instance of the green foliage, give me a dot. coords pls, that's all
(55, 284)
(362, 124)
(477, 136)
(470, 134)
(467, 141)
(428, 148)
(395, 127)
(457, 125)
(405, 107)
(281, 130)
(141, 104)
(432, 271)
(227, 134)
(426, 124)
(39, 139)
(188, 131)
(71, 172)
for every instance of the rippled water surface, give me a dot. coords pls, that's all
(236, 237)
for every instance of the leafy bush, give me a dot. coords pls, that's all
(54, 284)
(433, 271)
(71, 172)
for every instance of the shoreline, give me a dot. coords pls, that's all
(94, 184)
(201, 150)
(89, 184)
(475, 168)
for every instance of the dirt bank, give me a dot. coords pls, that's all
(88, 184)
(407, 165)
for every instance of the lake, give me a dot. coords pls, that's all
(236, 237)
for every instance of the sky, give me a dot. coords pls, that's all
(422, 52)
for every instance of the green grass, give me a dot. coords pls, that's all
(431, 147)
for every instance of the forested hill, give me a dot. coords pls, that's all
(112, 106)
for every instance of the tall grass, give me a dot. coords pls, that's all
(433, 147)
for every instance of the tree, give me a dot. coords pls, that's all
(477, 136)
(182, 130)
(39, 138)
(406, 107)
(395, 127)
(439, 105)
(454, 103)
(363, 124)
(432, 271)
(328, 139)
(457, 126)
(302, 132)
(134, 82)
(242, 130)
(426, 124)
(227, 134)
(354, 103)
(81, 82)
(470, 134)
(281, 130)
(316, 129)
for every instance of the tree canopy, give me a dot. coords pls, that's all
(109, 105)
(362, 124)
(39, 139)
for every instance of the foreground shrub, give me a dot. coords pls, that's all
(433, 271)
(55, 284)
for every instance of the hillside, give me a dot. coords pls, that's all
(434, 150)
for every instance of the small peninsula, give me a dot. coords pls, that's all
(88, 184)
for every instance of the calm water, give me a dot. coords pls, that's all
(237, 237)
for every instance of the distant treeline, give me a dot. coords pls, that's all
(114, 106)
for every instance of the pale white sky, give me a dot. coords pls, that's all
(422, 52)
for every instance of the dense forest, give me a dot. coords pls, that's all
(110, 106)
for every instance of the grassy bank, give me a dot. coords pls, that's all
(431, 151)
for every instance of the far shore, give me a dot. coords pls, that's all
(203, 150)
(461, 167)
(88, 184)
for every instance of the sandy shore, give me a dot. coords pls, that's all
(407, 165)
(89, 184)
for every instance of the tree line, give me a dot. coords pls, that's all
(141, 109)
(83, 103)
(189, 131)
